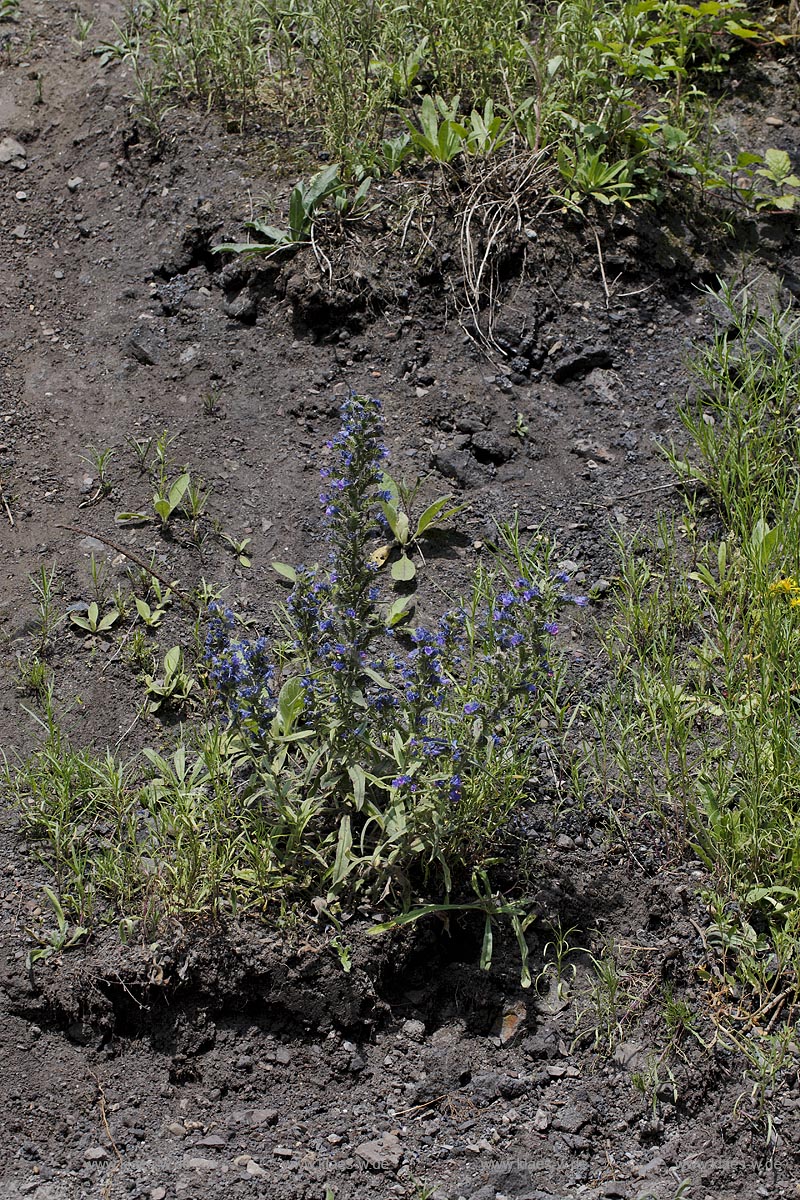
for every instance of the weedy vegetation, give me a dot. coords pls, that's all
(699, 729)
(349, 757)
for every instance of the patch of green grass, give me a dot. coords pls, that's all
(701, 724)
(620, 88)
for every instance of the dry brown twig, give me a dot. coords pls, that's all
(6, 506)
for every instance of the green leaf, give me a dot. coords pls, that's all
(392, 513)
(381, 680)
(402, 528)
(132, 516)
(488, 942)
(93, 614)
(414, 914)
(320, 185)
(291, 701)
(519, 930)
(746, 159)
(143, 609)
(178, 490)
(298, 215)
(434, 512)
(389, 485)
(359, 781)
(81, 622)
(342, 862)
(403, 571)
(107, 621)
(247, 248)
(172, 662)
(398, 611)
(269, 231)
(285, 571)
(162, 508)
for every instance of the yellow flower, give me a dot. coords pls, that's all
(784, 587)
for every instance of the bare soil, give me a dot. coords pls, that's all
(234, 1062)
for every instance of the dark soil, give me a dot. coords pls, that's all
(232, 1061)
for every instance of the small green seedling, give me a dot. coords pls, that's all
(152, 615)
(239, 548)
(93, 622)
(174, 686)
(304, 202)
(166, 501)
(98, 460)
(396, 511)
(62, 938)
(775, 168)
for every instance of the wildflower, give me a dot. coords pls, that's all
(550, 627)
(784, 587)
(471, 707)
(401, 781)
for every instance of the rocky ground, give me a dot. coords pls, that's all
(244, 1063)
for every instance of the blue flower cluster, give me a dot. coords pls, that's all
(240, 671)
(450, 696)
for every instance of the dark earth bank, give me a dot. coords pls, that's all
(236, 1062)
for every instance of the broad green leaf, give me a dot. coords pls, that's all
(392, 514)
(285, 570)
(268, 231)
(93, 613)
(746, 159)
(381, 680)
(398, 611)
(320, 185)
(298, 215)
(291, 701)
(488, 942)
(107, 621)
(162, 508)
(246, 248)
(389, 485)
(402, 528)
(178, 490)
(143, 609)
(81, 622)
(172, 661)
(403, 571)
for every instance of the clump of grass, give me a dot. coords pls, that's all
(346, 759)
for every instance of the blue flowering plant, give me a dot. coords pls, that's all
(389, 759)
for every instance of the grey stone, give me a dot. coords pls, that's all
(95, 1154)
(13, 153)
(142, 346)
(381, 1154)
